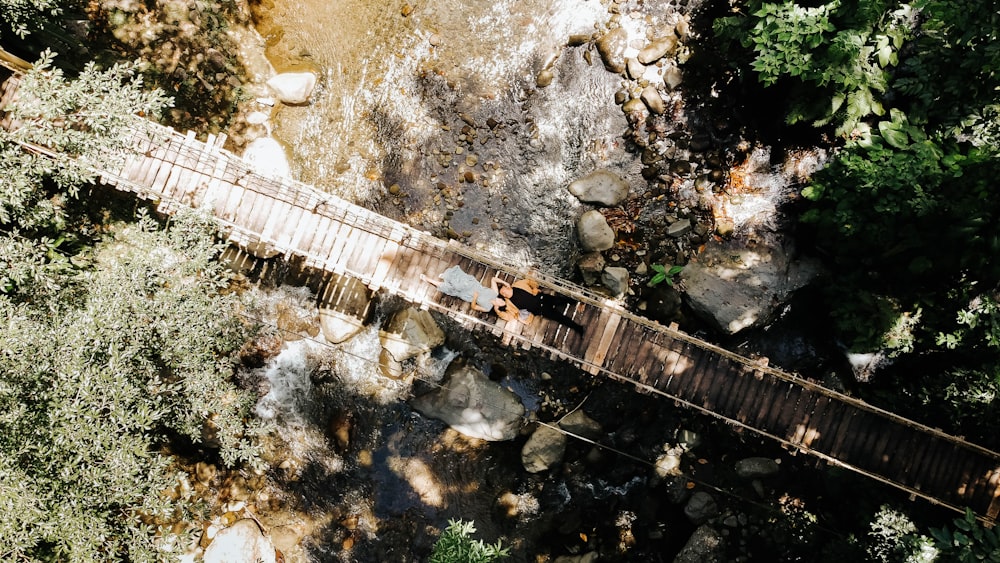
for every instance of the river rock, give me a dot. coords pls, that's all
(410, 332)
(591, 265)
(672, 77)
(242, 542)
(338, 327)
(544, 448)
(616, 280)
(700, 507)
(267, 157)
(756, 467)
(735, 284)
(612, 46)
(473, 405)
(635, 69)
(294, 321)
(293, 87)
(704, 546)
(651, 97)
(594, 232)
(679, 228)
(663, 303)
(600, 186)
(657, 49)
(579, 423)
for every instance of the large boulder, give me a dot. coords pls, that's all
(594, 232)
(242, 542)
(704, 546)
(293, 87)
(267, 157)
(700, 507)
(736, 285)
(600, 186)
(409, 333)
(579, 423)
(756, 467)
(473, 405)
(544, 448)
(338, 327)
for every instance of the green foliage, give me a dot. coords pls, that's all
(457, 546)
(968, 542)
(893, 538)
(21, 17)
(98, 371)
(664, 274)
(837, 56)
(82, 122)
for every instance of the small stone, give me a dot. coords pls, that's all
(635, 69)
(679, 228)
(544, 78)
(394, 189)
(657, 49)
(651, 97)
(406, 10)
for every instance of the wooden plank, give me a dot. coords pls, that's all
(610, 328)
(389, 256)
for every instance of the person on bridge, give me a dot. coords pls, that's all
(524, 296)
(457, 283)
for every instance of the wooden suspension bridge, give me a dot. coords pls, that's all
(281, 216)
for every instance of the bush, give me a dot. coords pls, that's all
(457, 546)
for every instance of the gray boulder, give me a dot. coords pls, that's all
(594, 232)
(580, 424)
(591, 265)
(616, 280)
(473, 405)
(704, 546)
(544, 448)
(700, 507)
(756, 467)
(734, 285)
(653, 100)
(600, 186)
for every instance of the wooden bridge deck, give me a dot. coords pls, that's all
(286, 217)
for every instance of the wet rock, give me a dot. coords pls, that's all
(724, 226)
(756, 467)
(591, 265)
(633, 106)
(668, 464)
(577, 39)
(286, 538)
(657, 49)
(601, 186)
(242, 542)
(338, 327)
(294, 321)
(544, 78)
(293, 87)
(734, 285)
(663, 303)
(700, 507)
(267, 157)
(410, 332)
(612, 46)
(651, 97)
(580, 424)
(473, 405)
(544, 449)
(616, 280)
(339, 430)
(680, 228)
(594, 232)
(704, 546)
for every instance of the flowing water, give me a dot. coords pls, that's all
(441, 107)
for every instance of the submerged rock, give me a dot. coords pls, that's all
(705, 544)
(410, 332)
(756, 467)
(612, 46)
(473, 405)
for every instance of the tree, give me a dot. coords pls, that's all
(82, 124)
(99, 372)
